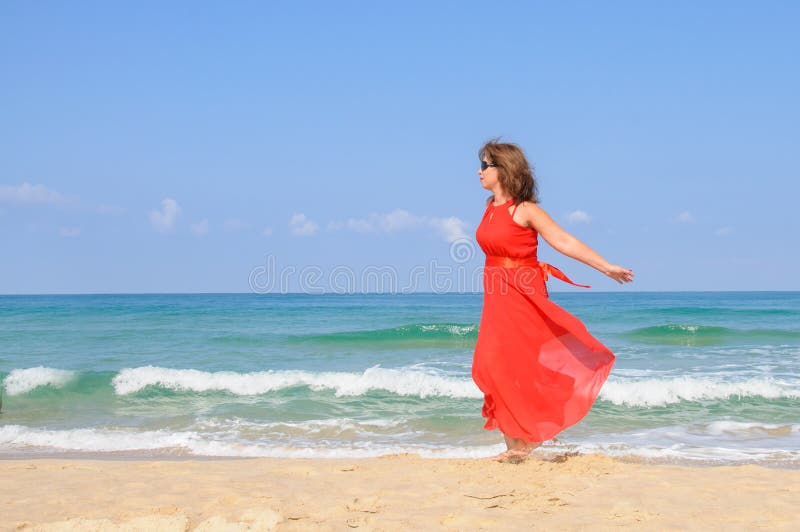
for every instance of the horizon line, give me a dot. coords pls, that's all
(367, 293)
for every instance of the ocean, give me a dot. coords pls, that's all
(700, 377)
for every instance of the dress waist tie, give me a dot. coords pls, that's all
(547, 269)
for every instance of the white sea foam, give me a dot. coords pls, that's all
(752, 430)
(680, 453)
(17, 436)
(24, 380)
(311, 427)
(679, 443)
(457, 330)
(716, 441)
(20, 438)
(664, 391)
(399, 381)
(635, 389)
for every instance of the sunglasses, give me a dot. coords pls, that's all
(485, 165)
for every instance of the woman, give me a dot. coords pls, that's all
(539, 368)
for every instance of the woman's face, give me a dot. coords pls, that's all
(489, 176)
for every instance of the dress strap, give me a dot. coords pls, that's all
(515, 210)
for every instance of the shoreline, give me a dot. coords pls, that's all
(391, 492)
(551, 456)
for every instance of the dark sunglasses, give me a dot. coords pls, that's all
(485, 165)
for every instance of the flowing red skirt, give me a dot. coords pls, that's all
(539, 368)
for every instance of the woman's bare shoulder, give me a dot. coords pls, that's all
(533, 215)
(530, 206)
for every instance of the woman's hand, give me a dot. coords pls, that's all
(618, 273)
(536, 218)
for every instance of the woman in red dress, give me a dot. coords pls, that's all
(538, 367)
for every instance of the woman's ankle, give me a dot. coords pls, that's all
(521, 444)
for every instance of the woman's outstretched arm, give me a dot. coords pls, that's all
(537, 218)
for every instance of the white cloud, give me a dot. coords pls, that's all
(235, 224)
(578, 217)
(397, 220)
(69, 232)
(723, 231)
(200, 228)
(302, 226)
(450, 228)
(164, 221)
(684, 218)
(267, 231)
(31, 194)
(27, 194)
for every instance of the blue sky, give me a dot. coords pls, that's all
(181, 147)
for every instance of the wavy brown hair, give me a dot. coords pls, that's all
(514, 172)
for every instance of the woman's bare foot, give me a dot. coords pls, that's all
(516, 454)
(501, 457)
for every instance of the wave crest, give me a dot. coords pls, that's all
(707, 335)
(21, 381)
(398, 381)
(661, 391)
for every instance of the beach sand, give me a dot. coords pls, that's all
(396, 492)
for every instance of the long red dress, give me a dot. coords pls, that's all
(538, 367)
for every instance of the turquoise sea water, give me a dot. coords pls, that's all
(700, 377)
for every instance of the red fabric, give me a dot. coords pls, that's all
(538, 367)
